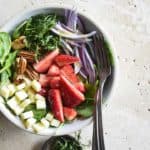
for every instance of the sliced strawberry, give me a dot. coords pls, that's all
(53, 70)
(69, 113)
(43, 65)
(55, 101)
(44, 80)
(68, 72)
(55, 82)
(62, 60)
(71, 95)
(80, 86)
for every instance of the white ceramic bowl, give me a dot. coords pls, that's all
(90, 26)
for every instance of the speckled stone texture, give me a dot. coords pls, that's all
(127, 116)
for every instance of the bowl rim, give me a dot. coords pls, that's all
(86, 122)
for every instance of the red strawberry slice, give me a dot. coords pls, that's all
(43, 92)
(53, 70)
(62, 60)
(69, 113)
(71, 95)
(80, 86)
(55, 82)
(68, 72)
(55, 101)
(43, 65)
(44, 80)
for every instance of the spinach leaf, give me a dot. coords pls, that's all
(4, 77)
(38, 113)
(86, 108)
(5, 46)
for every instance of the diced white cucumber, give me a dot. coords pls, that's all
(29, 122)
(4, 91)
(21, 95)
(39, 97)
(2, 100)
(18, 110)
(12, 103)
(55, 123)
(49, 116)
(38, 127)
(45, 123)
(25, 103)
(31, 94)
(36, 85)
(12, 89)
(21, 86)
(27, 115)
(40, 104)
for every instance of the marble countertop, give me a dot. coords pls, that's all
(127, 117)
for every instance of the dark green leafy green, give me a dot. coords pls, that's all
(64, 143)
(38, 113)
(38, 34)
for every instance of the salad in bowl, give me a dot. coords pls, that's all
(48, 74)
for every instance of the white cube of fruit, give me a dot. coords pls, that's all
(49, 116)
(2, 100)
(45, 123)
(12, 103)
(31, 94)
(27, 81)
(38, 127)
(18, 110)
(36, 85)
(55, 123)
(27, 115)
(39, 97)
(40, 104)
(4, 91)
(21, 95)
(25, 103)
(12, 89)
(21, 86)
(29, 122)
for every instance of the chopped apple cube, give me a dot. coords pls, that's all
(31, 94)
(27, 115)
(29, 122)
(40, 104)
(36, 85)
(12, 89)
(18, 110)
(25, 103)
(21, 86)
(49, 116)
(4, 91)
(55, 123)
(39, 97)
(45, 123)
(12, 103)
(21, 95)
(38, 127)
(2, 100)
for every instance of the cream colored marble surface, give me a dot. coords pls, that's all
(127, 117)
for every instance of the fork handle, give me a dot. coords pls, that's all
(98, 138)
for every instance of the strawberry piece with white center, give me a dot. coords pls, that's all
(55, 82)
(69, 113)
(72, 97)
(62, 60)
(43, 65)
(55, 101)
(53, 70)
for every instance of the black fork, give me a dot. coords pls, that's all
(104, 70)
